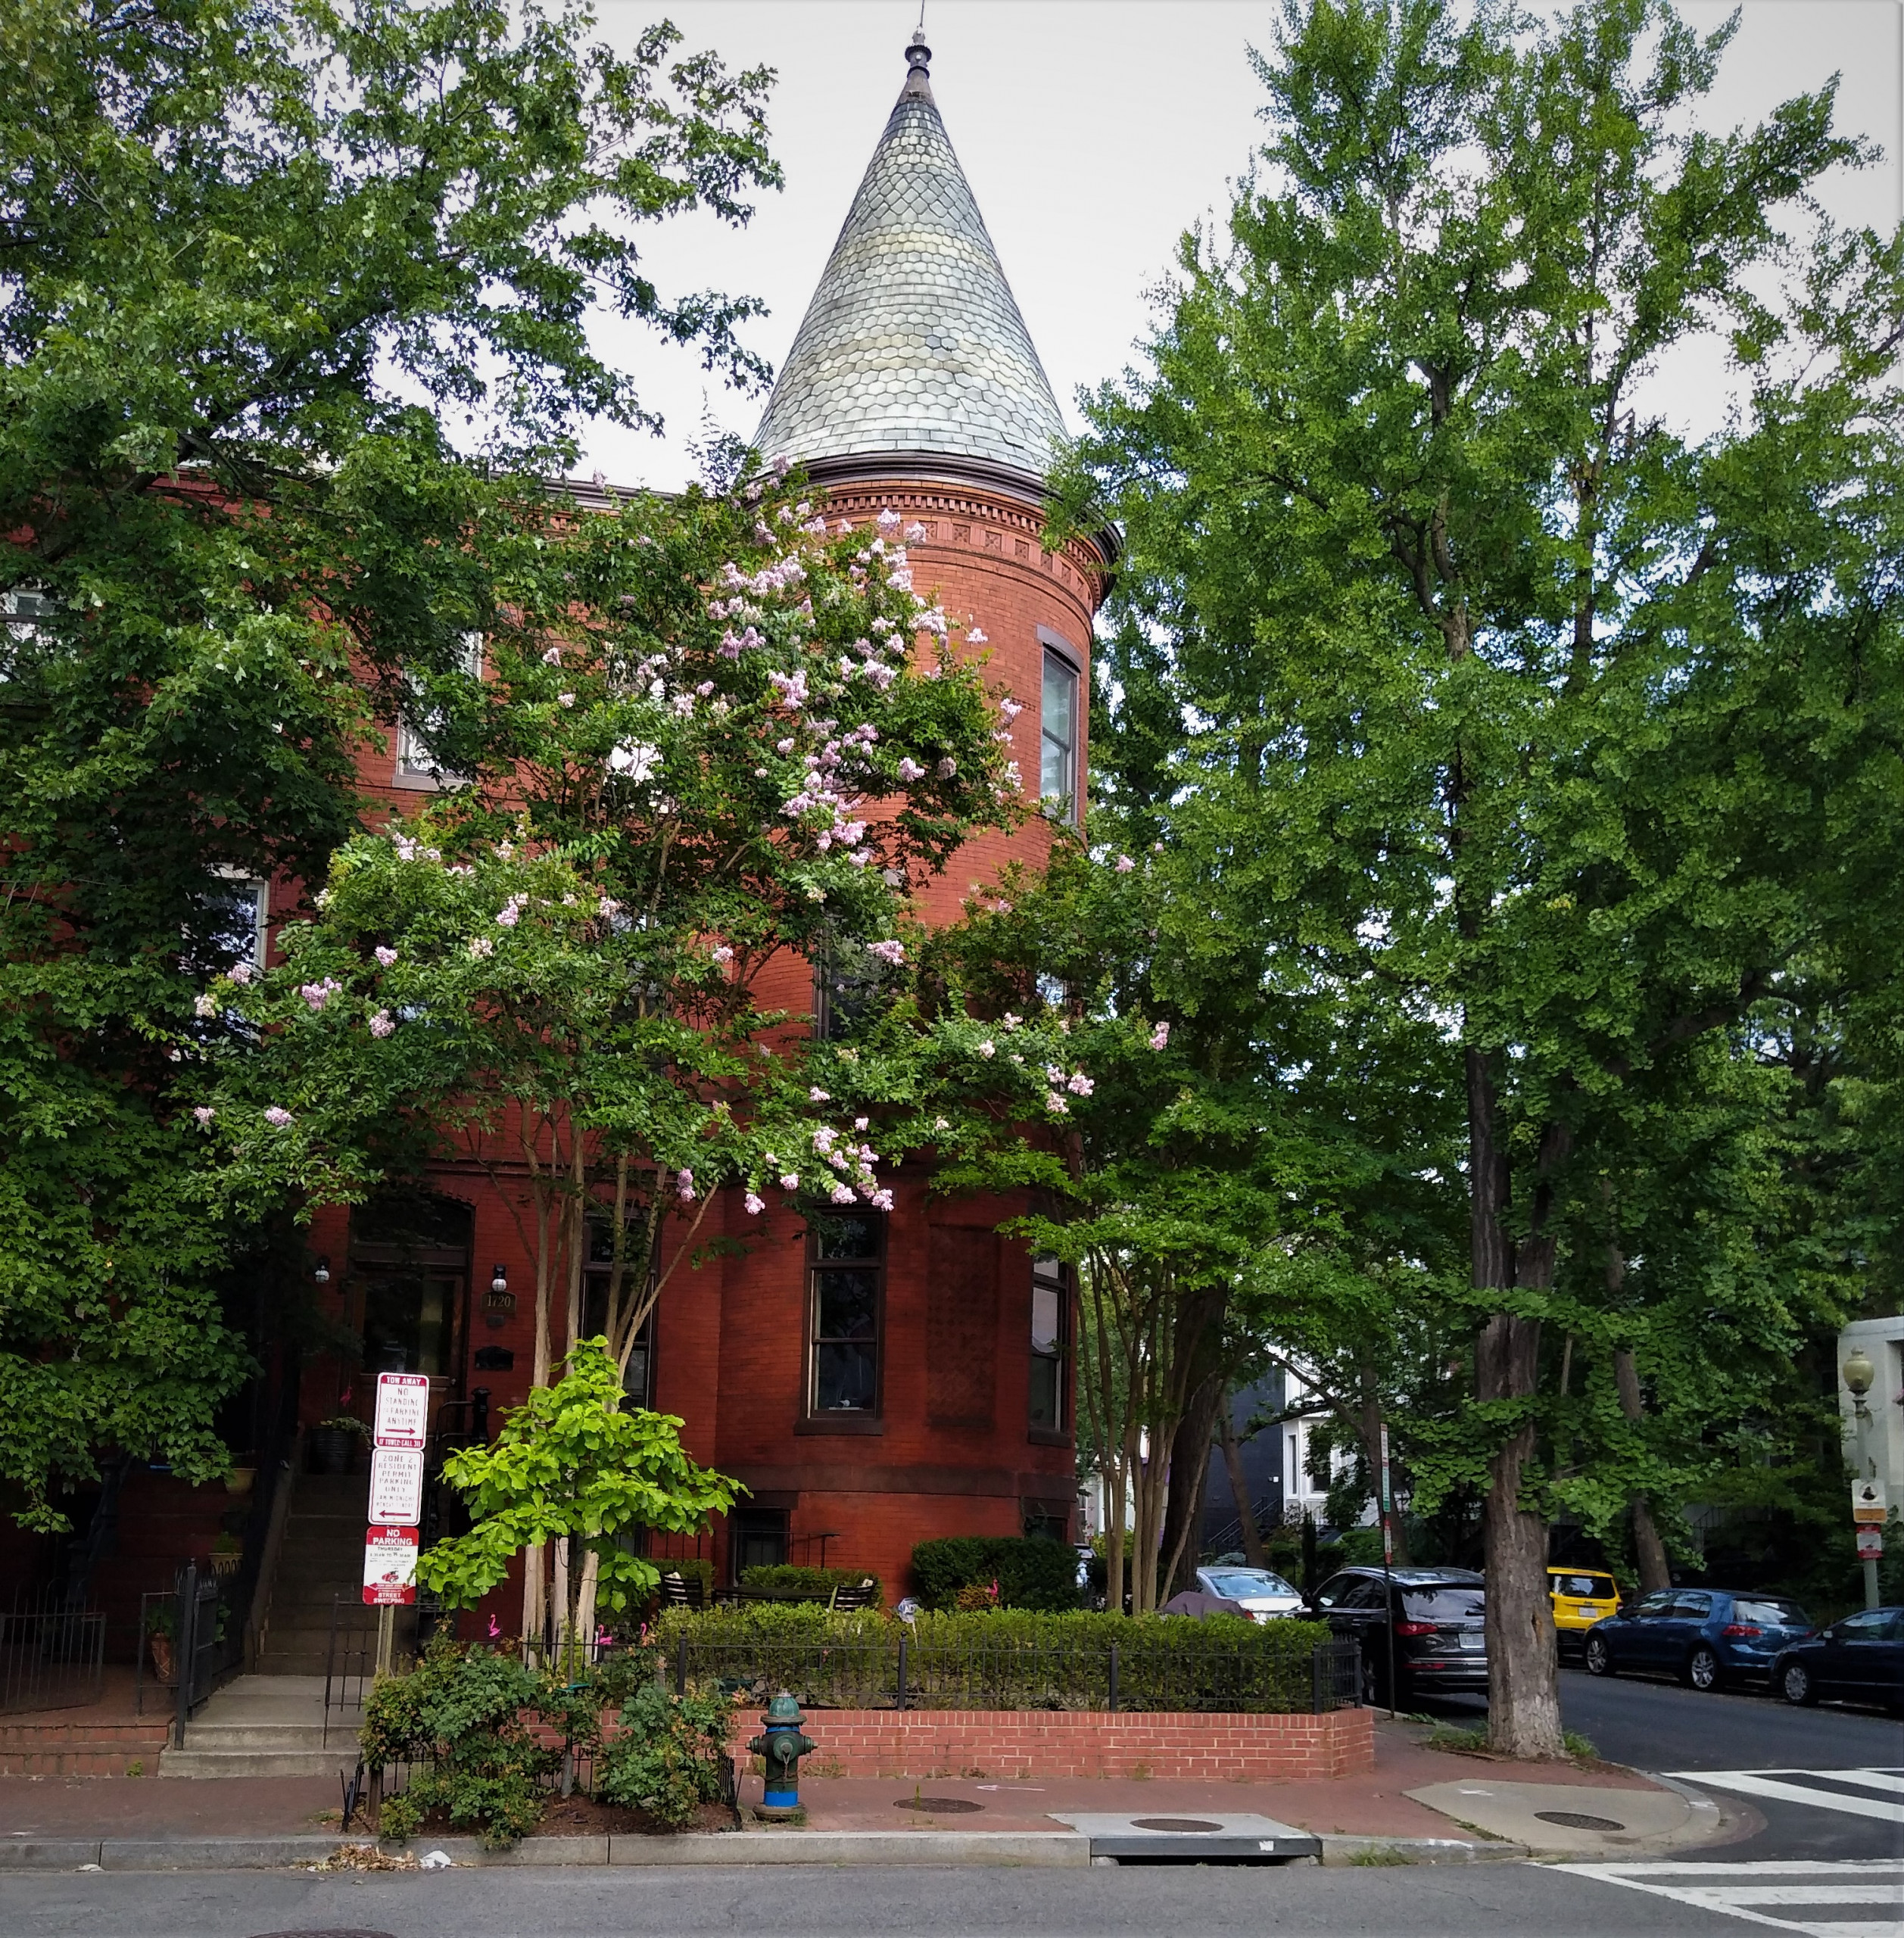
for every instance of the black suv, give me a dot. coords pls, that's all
(1437, 1616)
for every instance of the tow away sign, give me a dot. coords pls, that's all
(403, 1410)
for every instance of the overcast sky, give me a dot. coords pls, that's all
(1093, 132)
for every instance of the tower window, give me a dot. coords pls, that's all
(1057, 740)
(1051, 1335)
(847, 1280)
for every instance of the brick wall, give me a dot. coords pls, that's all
(1018, 1744)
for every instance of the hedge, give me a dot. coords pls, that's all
(1012, 1659)
(1032, 1571)
(808, 1584)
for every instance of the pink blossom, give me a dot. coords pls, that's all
(387, 956)
(888, 521)
(564, 699)
(317, 995)
(480, 946)
(789, 1180)
(842, 1194)
(382, 1023)
(755, 1204)
(1055, 1103)
(817, 1095)
(705, 688)
(552, 657)
(510, 913)
(893, 952)
(277, 1116)
(947, 768)
(684, 1186)
(974, 637)
(1010, 709)
(205, 1005)
(1159, 1035)
(1125, 864)
(723, 954)
(910, 770)
(859, 1124)
(609, 908)
(204, 1113)
(1080, 1086)
(988, 1049)
(844, 527)
(240, 973)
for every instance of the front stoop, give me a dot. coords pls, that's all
(265, 1726)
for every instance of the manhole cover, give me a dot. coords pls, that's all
(1174, 1823)
(938, 1805)
(1574, 1821)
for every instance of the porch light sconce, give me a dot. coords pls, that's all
(321, 1273)
(1859, 1373)
(500, 1303)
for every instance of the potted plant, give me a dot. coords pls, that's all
(238, 1482)
(227, 1551)
(161, 1628)
(333, 1443)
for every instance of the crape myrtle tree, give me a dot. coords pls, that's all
(710, 737)
(291, 295)
(1529, 709)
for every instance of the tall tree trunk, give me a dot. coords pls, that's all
(1656, 1572)
(1232, 1451)
(1188, 1477)
(1523, 1664)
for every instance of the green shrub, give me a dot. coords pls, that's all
(1032, 1571)
(667, 1758)
(808, 1584)
(1003, 1659)
(458, 1720)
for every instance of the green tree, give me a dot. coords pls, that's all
(1570, 733)
(294, 305)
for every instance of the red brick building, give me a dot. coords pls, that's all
(922, 1384)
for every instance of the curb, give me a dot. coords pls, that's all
(1033, 1848)
(1373, 1851)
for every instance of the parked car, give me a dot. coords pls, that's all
(1436, 1616)
(1706, 1637)
(1861, 1658)
(1580, 1596)
(1266, 1596)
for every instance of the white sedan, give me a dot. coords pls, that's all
(1267, 1597)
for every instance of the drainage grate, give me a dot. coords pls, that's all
(1574, 1820)
(1174, 1823)
(938, 1805)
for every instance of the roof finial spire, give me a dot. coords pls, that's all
(918, 62)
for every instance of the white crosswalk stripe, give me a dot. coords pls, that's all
(1812, 1786)
(1759, 1893)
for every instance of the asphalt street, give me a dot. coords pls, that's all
(1463, 1901)
(1655, 1725)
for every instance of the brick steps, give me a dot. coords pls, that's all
(80, 1749)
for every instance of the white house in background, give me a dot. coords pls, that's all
(1301, 1495)
(1878, 1440)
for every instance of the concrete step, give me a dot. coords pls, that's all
(331, 1762)
(302, 1735)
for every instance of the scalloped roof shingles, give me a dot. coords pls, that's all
(912, 341)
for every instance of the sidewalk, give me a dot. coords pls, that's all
(1486, 1809)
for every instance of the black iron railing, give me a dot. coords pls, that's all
(52, 1655)
(350, 1663)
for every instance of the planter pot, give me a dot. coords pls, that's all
(332, 1450)
(226, 1564)
(238, 1482)
(161, 1648)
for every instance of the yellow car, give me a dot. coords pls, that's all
(1580, 1598)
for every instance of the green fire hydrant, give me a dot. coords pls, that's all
(780, 1745)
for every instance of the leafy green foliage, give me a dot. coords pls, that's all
(814, 1585)
(1032, 1572)
(1495, 714)
(461, 1719)
(571, 1463)
(666, 1754)
(293, 319)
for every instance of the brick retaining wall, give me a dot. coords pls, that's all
(1020, 1743)
(81, 1749)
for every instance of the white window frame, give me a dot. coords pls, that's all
(416, 765)
(1067, 803)
(235, 878)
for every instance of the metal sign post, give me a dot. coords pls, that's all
(390, 1541)
(1869, 1508)
(1388, 1564)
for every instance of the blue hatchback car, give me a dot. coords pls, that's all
(1706, 1636)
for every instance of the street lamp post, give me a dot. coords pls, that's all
(1858, 1373)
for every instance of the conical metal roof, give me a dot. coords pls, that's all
(912, 343)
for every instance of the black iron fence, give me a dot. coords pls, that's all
(1177, 1673)
(350, 1663)
(191, 1638)
(52, 1655)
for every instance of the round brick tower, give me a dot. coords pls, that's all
(920, 1385)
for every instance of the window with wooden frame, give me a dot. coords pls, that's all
(845, 1311)
(1051, 1340)
(1058, 739)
